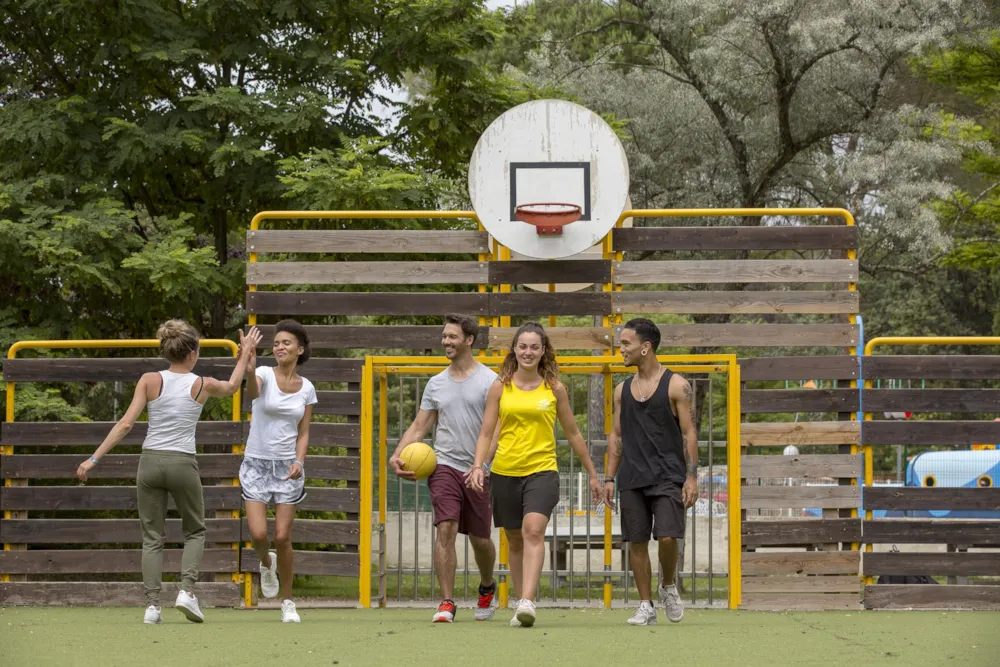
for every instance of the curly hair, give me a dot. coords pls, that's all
(548, 367)
(299, 331)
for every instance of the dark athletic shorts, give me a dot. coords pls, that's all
(513, 497)
(454, 501)
(656, 510)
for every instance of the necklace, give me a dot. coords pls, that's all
(656, 382)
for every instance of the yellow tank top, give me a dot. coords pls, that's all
(527, 442)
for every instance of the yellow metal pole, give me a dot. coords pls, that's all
(733, 474)
(365, 510)
(383, 468)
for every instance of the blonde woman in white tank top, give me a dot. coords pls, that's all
(174, 399)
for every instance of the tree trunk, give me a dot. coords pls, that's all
(217, 328)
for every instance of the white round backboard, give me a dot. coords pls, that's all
(548, 151)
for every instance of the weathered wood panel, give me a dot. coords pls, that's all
(783, 497)
(914, 432)
(932, 400)
(824, 367)
(366, 303)
(800, 434)
(111, 594)
(796, 532)
(932, 531)
(92, 561)
(334, 435)
(562, 338)
(940, 564)
(105, 531)
(806, 466)
(757, 335)
(808, 237)
(923, 596)
(932, 367)
(551, 271)
(54, 434)
(326, 563)
(368, 241)
(339, 336)
(799, 400)
(688, 271)
(93, 498)
(802, 562)
(770, 302)
(317, 369)
(326, 499)
(800, 602)
(545, 303)
(317, 531)
(74, 369)
(821, 584)
(939, 498)
(367, 273)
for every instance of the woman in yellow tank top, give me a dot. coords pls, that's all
(526, 399)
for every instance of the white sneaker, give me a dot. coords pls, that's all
(513, 602)
(288, 613)
(525, 613)
(152, 616)
(644, 615)
(671, 601)
(269, 577)
(188, 605)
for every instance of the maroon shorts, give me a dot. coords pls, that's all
(454, 501)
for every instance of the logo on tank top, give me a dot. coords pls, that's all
(543, 404)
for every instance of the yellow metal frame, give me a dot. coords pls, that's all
(104, 345)
(886, 341)
(383, 366)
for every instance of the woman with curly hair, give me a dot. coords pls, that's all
(526, 399)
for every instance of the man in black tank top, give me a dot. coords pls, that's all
(653, 448)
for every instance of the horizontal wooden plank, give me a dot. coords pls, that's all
(544, 303)
(367, 273)
(368, 241)
(821, 367)
(91, 561)
(92, 498)
(937, 564)
(562, 338)
(784, 497)
(330, 402)
(757, 335)
(550, 271)
(688, 271)
(125, 466)
(758, 301)
(804, 237)
(805, 466)
(820, 584)
(932, 367)
(918, 432)
(931, 400)
(105, 531)
(327, 563)
(317, 531)
(800, 434)
(932, 531)
(799, 400)
(798, 532)
(317, 369)
(800, 602)
(340, 336)
(801, 562)
(112, 594)
(77, 369)
(54, 434)
(367, 303)
(924, 596)
(327, 499)
(939, 498)
(335, 435)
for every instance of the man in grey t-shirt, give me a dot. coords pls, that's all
(455, 400)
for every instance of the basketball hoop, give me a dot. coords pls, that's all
(548, 217)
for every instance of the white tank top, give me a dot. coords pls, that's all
(173, 415)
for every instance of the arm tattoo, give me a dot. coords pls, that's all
(692, 445)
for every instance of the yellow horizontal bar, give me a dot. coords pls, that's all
(930, 340)
(567, 370)
(567, 360)
(103, 344)
(369, 215)
(731, 212)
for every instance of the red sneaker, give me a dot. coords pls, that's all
(485, 608)
(445, 612)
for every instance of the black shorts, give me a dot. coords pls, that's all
(652, 510)
(514, 497)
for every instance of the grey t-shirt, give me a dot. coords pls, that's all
(460, 406)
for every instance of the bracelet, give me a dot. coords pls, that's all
(486, 467)
(93, 460)
(303, 465)
(609, 480)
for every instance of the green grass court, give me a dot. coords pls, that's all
(94, 636)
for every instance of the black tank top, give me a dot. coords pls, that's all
(652, 444)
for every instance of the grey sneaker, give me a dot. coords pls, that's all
(486, 608)
(644, 615)
(671, 601)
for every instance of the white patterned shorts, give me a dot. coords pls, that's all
(263, 481)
